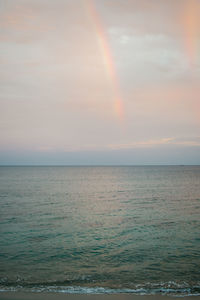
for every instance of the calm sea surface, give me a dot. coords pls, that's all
(100, 229)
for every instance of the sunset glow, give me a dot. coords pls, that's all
(100, 82)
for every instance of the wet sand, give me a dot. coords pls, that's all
(59, 296)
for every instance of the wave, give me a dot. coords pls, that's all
(166, 288)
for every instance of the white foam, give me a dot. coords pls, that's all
(164, 288)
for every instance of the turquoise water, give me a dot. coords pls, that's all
(100, 229)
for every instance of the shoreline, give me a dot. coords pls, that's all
(64, 296)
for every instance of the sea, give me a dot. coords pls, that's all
(100, 229)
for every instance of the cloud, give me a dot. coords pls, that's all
(188, 142)
(152, 143)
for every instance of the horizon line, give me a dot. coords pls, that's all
(96, 165)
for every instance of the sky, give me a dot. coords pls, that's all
(99, 82)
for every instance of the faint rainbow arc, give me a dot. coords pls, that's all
(107, 58)
(191, 29)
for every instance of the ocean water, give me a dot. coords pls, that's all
(100, 229)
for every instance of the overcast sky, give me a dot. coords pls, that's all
(99, 82)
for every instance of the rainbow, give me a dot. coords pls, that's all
(191, 29)
(108, 60)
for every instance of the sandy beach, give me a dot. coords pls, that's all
(57, 296)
